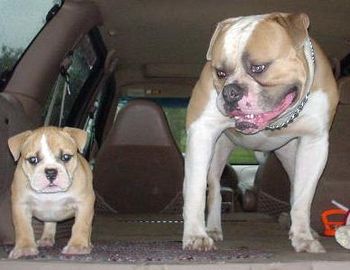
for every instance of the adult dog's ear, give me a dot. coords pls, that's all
(297, 25)
(15, 143)
(301, 23)
(217, 31)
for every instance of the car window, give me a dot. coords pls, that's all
(20, 22)
(75, 70)
(175, 111)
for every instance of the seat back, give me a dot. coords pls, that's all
(13, 120)
(139, 168)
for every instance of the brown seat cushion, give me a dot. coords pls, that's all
(139, 168)
(13, 120)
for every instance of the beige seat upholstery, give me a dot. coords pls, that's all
(13, 120)
(139, 168)
(272, 181)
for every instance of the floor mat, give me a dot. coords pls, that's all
(148, 252)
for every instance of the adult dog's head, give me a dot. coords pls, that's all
(261, 67)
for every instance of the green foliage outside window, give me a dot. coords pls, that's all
(8, 57)
(176, 116)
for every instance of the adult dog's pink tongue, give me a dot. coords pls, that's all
(249, 122)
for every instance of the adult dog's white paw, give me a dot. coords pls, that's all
(307, 245)
(215, 234)
(199, 242)
(314, 234)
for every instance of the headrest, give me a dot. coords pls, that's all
(141, 122)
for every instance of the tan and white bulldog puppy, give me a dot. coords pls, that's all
(52, 182)
(268, 87)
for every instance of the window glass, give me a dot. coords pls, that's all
(175, 111)
(20, 22)
(68, 87)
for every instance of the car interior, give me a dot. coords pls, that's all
(124, 71)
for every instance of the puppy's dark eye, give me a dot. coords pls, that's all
(257, 68)
(66, 157)
(33, 160)
(221, 74)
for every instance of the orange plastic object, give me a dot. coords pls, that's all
(330, 225)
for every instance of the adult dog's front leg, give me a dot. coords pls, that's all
(310, 161)
(222, 150)
(201, 140)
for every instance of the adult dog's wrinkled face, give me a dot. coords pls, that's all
(259, 68)
(48, 157)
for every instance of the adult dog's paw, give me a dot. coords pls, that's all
(18, 252)
(307, 245)
(216, 235)
(200, 242)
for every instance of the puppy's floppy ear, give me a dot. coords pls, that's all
(15, 143)
(78, 135)
(218, 29)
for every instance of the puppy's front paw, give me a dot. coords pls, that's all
(215, 234)
(199, 242)
(307, 245)
(18, 252)
(46, 242)
(77, 249)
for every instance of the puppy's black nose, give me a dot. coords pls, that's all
(232, 93)
(51, 174)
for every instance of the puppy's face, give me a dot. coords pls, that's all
(48, 158)
(258, 67)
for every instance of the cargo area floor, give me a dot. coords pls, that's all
(251, 241)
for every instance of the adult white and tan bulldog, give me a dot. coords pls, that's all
(52, 182)
(266, 86)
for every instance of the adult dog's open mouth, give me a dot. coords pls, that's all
(249, 122)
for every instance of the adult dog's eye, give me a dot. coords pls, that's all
(257, 68)
(33, 160)
(221, 74)
(66, 157)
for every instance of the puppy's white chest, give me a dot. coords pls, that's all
(53, 207)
